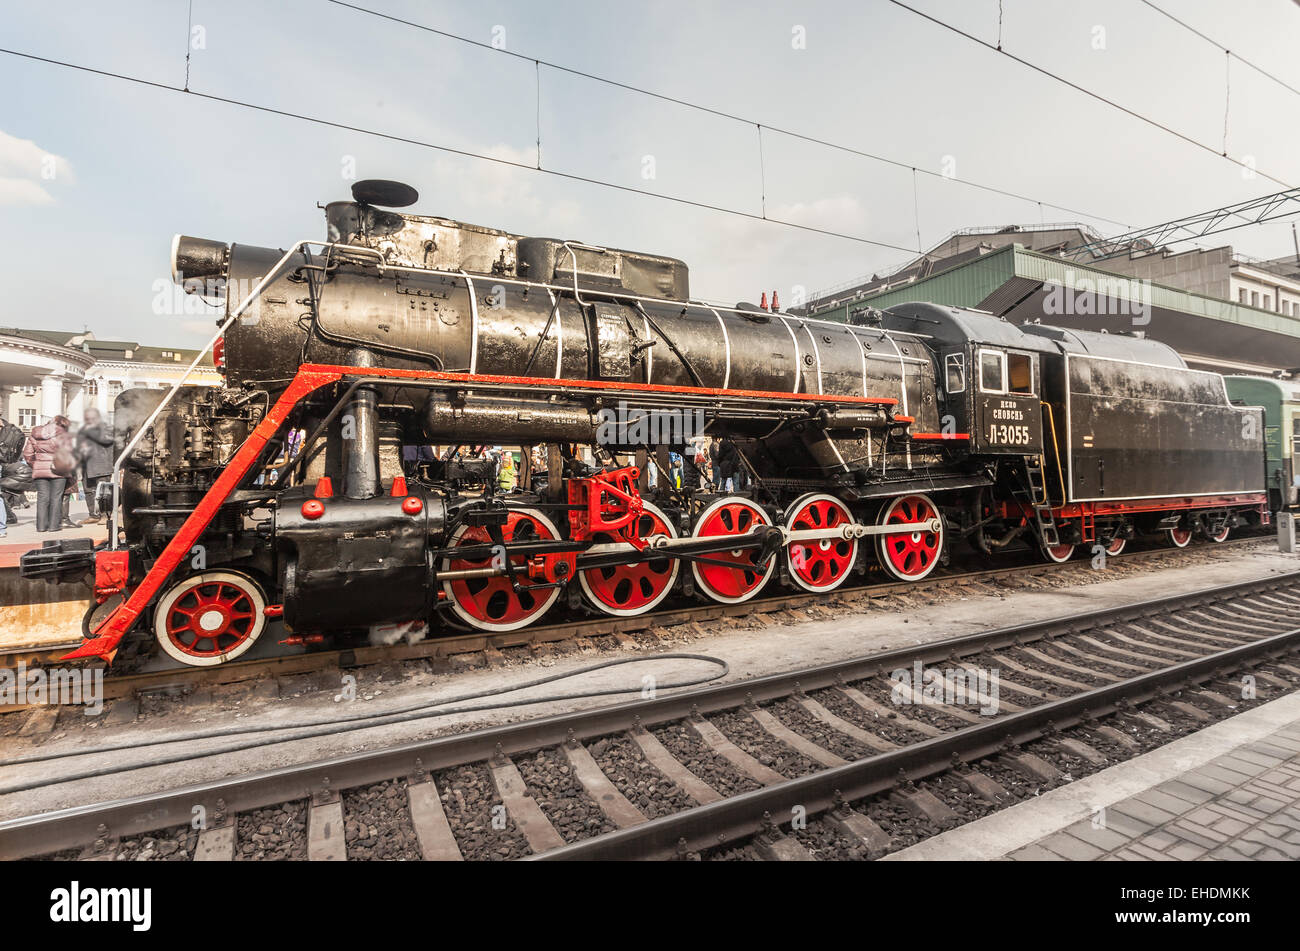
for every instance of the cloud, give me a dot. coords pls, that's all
(491, 184)
(842, 213)
(26, 169)
(504, 196)
(19, 191)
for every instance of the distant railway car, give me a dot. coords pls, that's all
(1280, 400)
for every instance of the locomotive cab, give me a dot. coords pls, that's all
(990, 372)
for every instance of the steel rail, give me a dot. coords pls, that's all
(445, 646)
(62, 829)
(740, 816)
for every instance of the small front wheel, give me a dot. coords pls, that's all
(210, 618)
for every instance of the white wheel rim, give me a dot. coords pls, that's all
(1062, 559)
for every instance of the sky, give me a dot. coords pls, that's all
(98, 173)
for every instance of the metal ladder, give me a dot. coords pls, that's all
(1036, 471)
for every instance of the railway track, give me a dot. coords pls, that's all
(724, 767)
(122, 683)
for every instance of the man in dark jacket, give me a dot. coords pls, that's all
(44, 443)
(95, 450)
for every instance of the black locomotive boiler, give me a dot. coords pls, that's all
(297, 490)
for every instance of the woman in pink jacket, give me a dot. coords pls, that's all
(44, 443)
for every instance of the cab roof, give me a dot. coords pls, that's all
(957, 326)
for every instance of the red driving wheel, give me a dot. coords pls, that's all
(731, 515)
(492, 603)
(628, 590)
(819, 564)
(1058, 553)
(910, 556)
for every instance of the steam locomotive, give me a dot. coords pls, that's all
(870, 446)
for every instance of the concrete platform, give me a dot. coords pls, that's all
(34, 614)
(22, 536)
(1230, 791)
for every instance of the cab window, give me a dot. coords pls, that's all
(955, 365)
(1020, 373)
(993, 371)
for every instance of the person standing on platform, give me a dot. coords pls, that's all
(49, 452)
(95, 450)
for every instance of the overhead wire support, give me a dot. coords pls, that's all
(1215, 43)
(720, 113)
(1227, 96)
(189, 42)
(1252, 211)
(916, 212)
(451, 150)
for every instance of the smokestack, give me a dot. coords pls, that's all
(762, 304)
(775, 306)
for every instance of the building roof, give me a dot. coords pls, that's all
(967, 244)
(1288, 266)
(114, 351)
(1015, 282)
(59, 338)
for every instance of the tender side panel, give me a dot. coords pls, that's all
(1142, 431)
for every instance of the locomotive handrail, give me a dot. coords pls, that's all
(175, 387)
(1056, 451)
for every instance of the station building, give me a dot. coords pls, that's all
(1221, 310)
(46, 373)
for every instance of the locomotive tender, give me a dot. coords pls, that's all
(867, 446)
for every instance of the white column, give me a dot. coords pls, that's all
(101, 397)
(5, 393)
(76, 402)
(51, 396)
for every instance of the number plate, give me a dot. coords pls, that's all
(1010, 424)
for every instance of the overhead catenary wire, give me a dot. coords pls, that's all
(553, 172)
(711, 110)
(452, 150)
(1044, 71)
(1215, 43)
